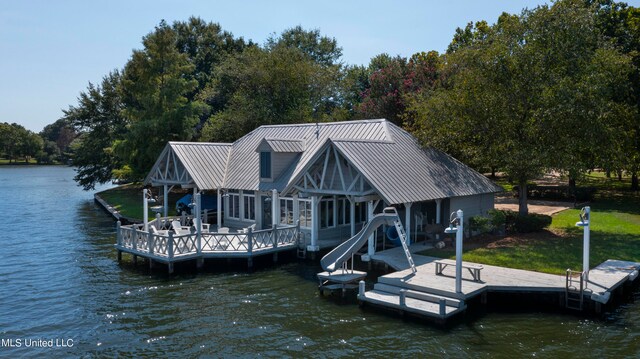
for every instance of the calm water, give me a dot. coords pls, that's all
(59, 279)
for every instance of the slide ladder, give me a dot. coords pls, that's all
(403, 238)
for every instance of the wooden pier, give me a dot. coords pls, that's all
(433, 295)
(165, 246)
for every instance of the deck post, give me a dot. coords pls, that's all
(165, 205)
(119, 255)
(407, 220)
(145, 210)
(249, 241)
(170, 267)
(352, 210)
(219, 209)
(275, 236)
(585, 247)
(199, 224)
(459, 234)
(275, 207)
(135, 260)
(119, 233)
(438, 210)
(361, 288)
(150, 242)
(170, 246)
(403, 297)
(443, 307)
(314, 224)
(371, 249)
(134, 239)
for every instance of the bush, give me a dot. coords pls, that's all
(497, 218)
(562, 193)
(531, 223)
(479, 224)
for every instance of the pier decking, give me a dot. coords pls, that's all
(167, 247)
(403, 290)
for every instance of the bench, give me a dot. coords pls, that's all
(474, 269)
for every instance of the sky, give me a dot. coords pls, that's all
(51, 50)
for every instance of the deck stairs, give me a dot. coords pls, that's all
(574, 290)
(413, 301)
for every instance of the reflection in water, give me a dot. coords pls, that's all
(60, 279)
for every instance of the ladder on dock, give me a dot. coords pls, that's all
(574, 290)
(403, 238)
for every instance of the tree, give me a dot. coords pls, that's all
(522, 93)
(98, 119)
(61, 133)
(291, 80)
(156, 84)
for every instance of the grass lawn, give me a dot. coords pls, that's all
(615, 234)
(20, 161)
(127, 199)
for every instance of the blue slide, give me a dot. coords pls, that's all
(334, 259)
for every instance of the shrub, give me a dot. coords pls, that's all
(497, 218)
(479, 224)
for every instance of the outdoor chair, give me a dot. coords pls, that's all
(246, 230)
(178, 229)
(156, 231)
(205, 226)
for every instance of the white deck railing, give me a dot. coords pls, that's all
(134, 238)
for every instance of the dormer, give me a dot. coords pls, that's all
(276, 155)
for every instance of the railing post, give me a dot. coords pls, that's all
(443, 307)
(150, 242)
(275, 236)
(134, 239)
(119, 233)
(297, 234)
(170, 245)
(249, 240)
(361, 288)
(403, 297)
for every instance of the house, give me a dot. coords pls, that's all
(328, 176)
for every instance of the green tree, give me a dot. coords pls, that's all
(62, 134)
(156, 84)
(532, 93)
(98, 120)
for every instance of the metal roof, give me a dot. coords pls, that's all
(204, 162)
(389, 158)
(283, 145)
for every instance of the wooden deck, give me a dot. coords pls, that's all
(167, 247)
(603, 280)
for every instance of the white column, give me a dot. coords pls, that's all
(198, 217)
(296, 209)
(407, 220)
(438, 211)
(585, 247)
(352, 210)
(371, 250)
(259, 224)
(219, 208)
(314, 225)
(145, 210)
(459, 234)
(275, 208)
(166, 201)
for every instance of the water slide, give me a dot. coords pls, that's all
(342, 253)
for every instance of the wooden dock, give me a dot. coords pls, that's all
(433, 295)
(167, 247)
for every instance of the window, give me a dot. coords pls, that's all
(326, 213)
(344, 211)
(265, 164)
(361, 212)
(305, 213)
(249, 206)
(286, 211)
(234, 204)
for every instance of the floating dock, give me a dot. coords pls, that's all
(432, 295)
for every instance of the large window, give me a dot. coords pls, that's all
(265, 164)
(305, 213)
(286, 210)
(344, 211)
(234, 204)
(327, 219)
(249, 206)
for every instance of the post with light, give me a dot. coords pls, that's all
(585, 219)
(458, 220)
(146, 199)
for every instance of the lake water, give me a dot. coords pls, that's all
(59, 279)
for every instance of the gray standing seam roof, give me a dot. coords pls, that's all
(390, 159)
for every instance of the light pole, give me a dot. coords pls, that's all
(146, 199)
(458, 220)
(585, 219)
